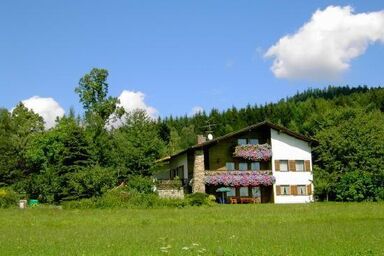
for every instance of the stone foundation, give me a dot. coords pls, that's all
(171, 193)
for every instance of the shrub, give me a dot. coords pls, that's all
(92, 181)
(121, 198)
(8, 198)
(197, 199)
(140, 184)
(356, 186)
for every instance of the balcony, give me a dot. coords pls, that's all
(239, 178)
(257, 152)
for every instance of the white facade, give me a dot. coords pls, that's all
(163, 171)
(180, 160)
(286, 147)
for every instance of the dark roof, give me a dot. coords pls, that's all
(246, 129)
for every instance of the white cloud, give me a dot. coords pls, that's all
(197, 109)
(324, 47)
(47, 108)
(131, 100)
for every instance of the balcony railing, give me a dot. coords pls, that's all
(258, 152)
(239, 178)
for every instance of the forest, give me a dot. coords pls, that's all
(85, 155)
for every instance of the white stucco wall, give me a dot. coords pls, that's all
(286, 147)
(180, 160)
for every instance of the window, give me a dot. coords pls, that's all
(173, 173)
(285, 190)
(256, 192)
(232, 192)
(243, 166)
(255, 166)
(284, 165)
(301, 190)
(180, 172)
(230, 166)
(242, 141)
(299, 165)
(244, 191)
(253, 141)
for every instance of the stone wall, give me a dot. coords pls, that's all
(198, 184)
(171, 193)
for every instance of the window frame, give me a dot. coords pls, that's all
(280, 165)
(305, 190)
(243, 140)
(282, 189)
(253, 189)
(259, 166)
(233, 190)
(229, 169)
(243, 164)
(296, 166)
(243, 189)
(250, 140)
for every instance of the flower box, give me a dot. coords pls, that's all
(253, 179)
(258, 152)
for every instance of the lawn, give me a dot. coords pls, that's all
(311, 229)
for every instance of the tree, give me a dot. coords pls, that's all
(17, 128)
(54, 157)
(138, 144)
(7, 151)
(99, 110)
(351, 147)
(93, 93)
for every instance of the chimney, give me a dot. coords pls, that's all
(201, 139)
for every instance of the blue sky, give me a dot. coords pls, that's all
(181, 54)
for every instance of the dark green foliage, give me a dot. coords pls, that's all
(100, 109)
(198, 199)
(91, 181)
(93, 93)
(85, 157)
(16, 131)
(137, 145)
(55, 158)
(125, 198)
(347, 123)
(350, 154)
(140, 184)
(357, 186)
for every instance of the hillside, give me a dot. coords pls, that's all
(348, 124)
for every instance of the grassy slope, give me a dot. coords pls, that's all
(313, 229)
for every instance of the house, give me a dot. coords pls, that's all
(264, 163)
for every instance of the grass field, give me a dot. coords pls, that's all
(312, 229)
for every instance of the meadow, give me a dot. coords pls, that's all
(310, 229)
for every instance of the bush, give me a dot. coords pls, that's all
(197, 199)
(140, 184)
(121, 198)
(92, 181)
(8, 198)
(356, 186)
